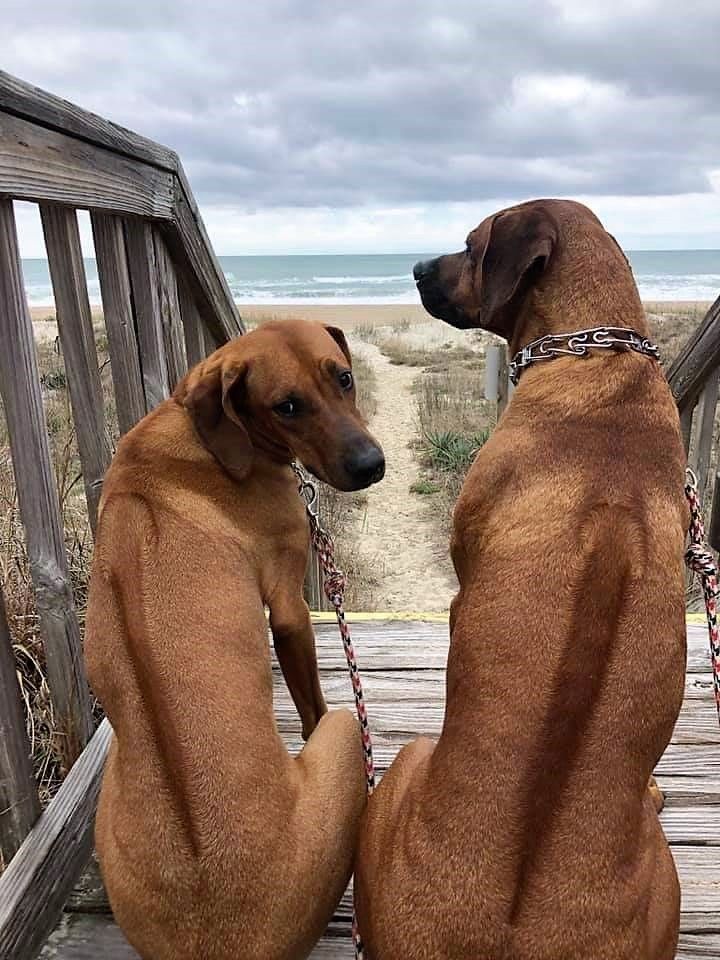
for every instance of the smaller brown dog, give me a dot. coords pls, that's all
(213, 842)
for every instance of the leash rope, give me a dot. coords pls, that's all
(334, 582)
(700, 560)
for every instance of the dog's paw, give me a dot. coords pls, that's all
(656, 794)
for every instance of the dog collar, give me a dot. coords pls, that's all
(578, 344)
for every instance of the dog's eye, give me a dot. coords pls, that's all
(346, 380)
(288, 408)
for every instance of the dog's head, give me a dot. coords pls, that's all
(287, 390)
(512, 254)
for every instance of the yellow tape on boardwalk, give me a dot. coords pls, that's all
(326, 616)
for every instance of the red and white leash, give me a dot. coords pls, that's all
(334, 582)
(700, 560)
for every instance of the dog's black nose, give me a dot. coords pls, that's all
(366, 465)
(421, 269)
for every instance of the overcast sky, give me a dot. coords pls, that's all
(388, 125)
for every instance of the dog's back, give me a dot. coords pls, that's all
(528, 832)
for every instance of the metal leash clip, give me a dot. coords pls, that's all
(307, 490)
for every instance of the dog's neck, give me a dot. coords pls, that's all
(581, 289)
(170, 431)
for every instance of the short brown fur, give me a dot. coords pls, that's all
(528, 832)
(213, 841)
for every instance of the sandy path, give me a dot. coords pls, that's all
(395, 532)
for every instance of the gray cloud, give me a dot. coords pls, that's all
(284, 103)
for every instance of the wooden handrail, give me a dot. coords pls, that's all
(53, 152)
(692, 367)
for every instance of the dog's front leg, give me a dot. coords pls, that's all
(294, 642)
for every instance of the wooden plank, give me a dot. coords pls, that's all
(194, 257)
(170, 318)
(693, 826)
(42, 165)
(698, 358)
(77, 337)
(24, 100)
(196, 348)
(686, 425)
(19, 803)
(423, 645)
(87, 937)
(707, 405)
(43, 871)
(148, 319)
(112, 265)
(38, 501)
(404, 701)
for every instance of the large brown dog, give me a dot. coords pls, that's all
(529, 832)
(213, 842)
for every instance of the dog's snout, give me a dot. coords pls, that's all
(421, 269)
(365, 465)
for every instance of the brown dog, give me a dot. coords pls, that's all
(528, 832)
(213, 842)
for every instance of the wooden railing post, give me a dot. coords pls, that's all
(498, 388)
(111, 256)
(38, 500)
(702, 453)
(148, 318)
(170, 318)
(19, 804)
(196, 339)
(697, 359)
(77, 337)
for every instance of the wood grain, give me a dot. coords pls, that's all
(46, 110)
(77, 338)
(193, 256)
(196, 347)
(42, 165)
(19, 804)
(707, 404)
(38, 501)
(145, 285)
(116, 292)
(690, 370)
(34, 887)
(170, 317)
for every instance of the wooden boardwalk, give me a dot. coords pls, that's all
(402, 664)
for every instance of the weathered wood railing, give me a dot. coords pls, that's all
(694, 378)
(166, 304)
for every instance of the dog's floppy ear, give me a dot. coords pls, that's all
(213, 401)
(519, 246)
(339, 338)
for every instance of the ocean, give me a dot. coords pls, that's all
(387, 278)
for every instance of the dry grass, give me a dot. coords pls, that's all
(399, 352)
(454, 421)
(15, 575)
(671, 330)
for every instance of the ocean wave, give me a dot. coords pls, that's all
(378, 278)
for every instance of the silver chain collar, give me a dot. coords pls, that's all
(578, 344)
